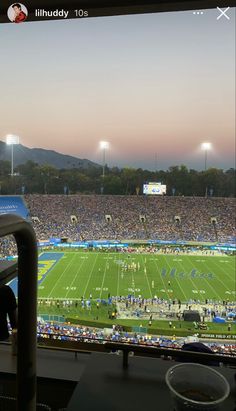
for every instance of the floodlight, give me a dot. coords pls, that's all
(12, 139)
(206, 146)
(104, 144)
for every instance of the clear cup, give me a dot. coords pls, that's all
(196, 387)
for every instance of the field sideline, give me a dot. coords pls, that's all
(71, 275)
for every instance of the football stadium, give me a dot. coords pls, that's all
(140, 269)
(117, 205)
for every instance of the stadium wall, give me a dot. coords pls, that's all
(126, 243)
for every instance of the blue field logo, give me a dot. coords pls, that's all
(194, 273)
(45, 263)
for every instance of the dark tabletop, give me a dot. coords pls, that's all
(106, 386)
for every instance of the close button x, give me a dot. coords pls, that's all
(223, 13)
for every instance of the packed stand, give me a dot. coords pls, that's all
(7, 247)
(65, 332)
(54, 213)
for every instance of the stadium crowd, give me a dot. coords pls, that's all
(93, 217)
(7, 247)
(65, 332)
(132, 217)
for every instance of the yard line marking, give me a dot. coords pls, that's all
(194, 285)
(227, 289)
(118, 278)
(133, 283)
(75, 277)
(103, 279)
(162, 280)
(90, 275)
(231, 279)
(178, 283)
(68, 265)
(129, 276)
(148, 282)
(214, 291)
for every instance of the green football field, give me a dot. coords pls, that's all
(71, 275)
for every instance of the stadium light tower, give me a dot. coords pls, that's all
(11, 140)
(104, 145)
(206, 147)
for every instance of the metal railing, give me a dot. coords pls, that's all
(177, 354)
(27, 306)
(87, 344)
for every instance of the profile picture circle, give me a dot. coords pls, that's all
(17, 13)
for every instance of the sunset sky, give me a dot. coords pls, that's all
(155, 86)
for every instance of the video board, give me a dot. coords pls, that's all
(154, 188)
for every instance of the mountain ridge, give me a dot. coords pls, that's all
(42, 156)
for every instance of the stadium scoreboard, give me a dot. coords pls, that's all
(153, 188)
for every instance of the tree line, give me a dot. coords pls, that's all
(31, 178)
